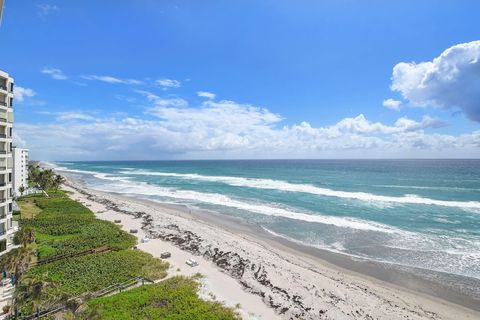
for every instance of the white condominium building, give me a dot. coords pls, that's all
(6, 161)
(20, 170)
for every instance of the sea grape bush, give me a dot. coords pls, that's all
(66, 226)
(173, 299)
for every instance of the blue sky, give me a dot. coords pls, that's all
(98, 79)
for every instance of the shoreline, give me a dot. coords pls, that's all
(215, 284)
(402, 277)
(339, 282)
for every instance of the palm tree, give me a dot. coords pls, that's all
(25, 236)
(58, 181)
(45, 179)
(33, 172)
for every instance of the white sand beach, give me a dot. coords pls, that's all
(263, 279)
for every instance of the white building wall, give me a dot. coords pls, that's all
(20, 169)
(6, 161)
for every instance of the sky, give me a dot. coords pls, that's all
(146, 80)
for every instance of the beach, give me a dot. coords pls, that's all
(263, 276)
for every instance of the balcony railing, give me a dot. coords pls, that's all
(3, 120)
(3, 103)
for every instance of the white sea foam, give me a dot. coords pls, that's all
(145, 189)
(98, 175)
(311, 189)
(393, 186)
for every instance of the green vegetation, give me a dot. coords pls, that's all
(45, 179)
(54, 225)
(25, 236)
(90, 273)
(57, 225)
(73, 277)
(18, 260)
(28, 207)
(172, 299)
(66, 226)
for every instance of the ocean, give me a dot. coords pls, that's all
(414, 213)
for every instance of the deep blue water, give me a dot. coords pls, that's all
(418, 213)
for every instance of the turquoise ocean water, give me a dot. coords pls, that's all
(415, 213)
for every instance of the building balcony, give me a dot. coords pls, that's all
(4, 185)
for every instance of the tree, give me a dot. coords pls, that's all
(58, 181)
(25, 236)
(21, 189)
(33, 291)
(17, 260)
(45, 179)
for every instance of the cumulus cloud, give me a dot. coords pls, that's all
(110, 79)
(55, 73)
(168, 83)
(20, 93)
(206, 94)
(392, 104)
(227, 129)
(450, 80)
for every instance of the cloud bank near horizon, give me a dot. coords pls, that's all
(227, 129)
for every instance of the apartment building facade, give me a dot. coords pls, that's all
(20, 170)
(6, 161)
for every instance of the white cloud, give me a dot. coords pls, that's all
(168, 83)
(69, 115)
(227, 129)
(392, 104)
(55, 73)
(450, 80)
(110, 79)
(163, 102)
(19, 93)
(206, 94)
(46, 9)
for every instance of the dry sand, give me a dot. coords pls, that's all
(263, 279)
